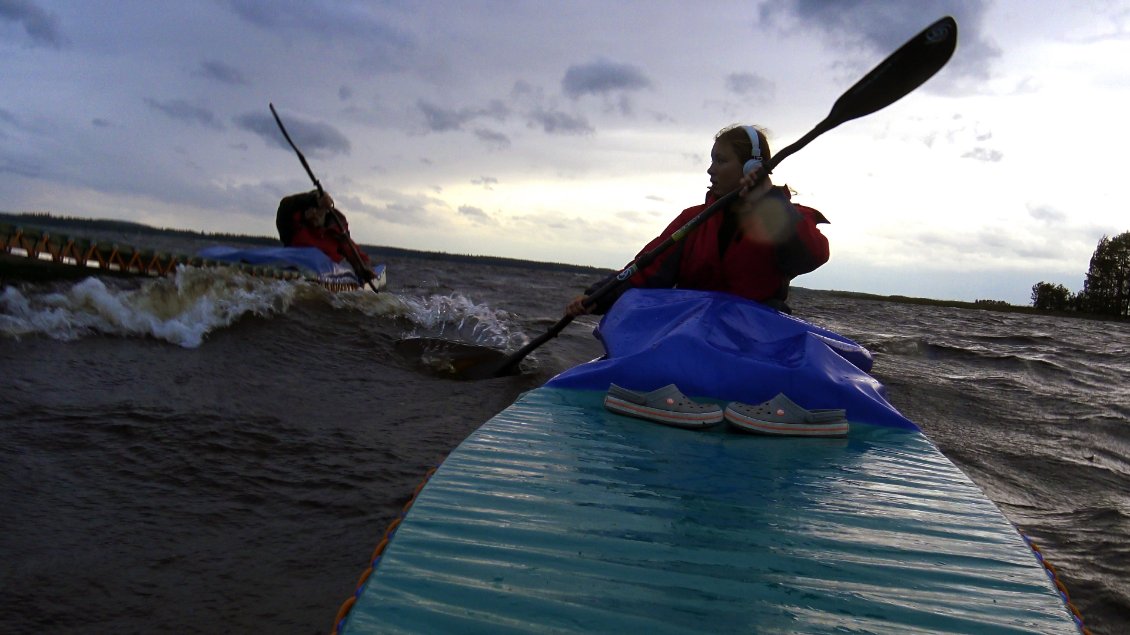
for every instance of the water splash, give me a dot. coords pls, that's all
(458, 318)
(181, 309)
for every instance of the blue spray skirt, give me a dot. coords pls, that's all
(310, 261)
(718, 346)
(560, 516)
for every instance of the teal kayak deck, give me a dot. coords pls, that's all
(557, 516)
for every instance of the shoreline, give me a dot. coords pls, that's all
(113, 230)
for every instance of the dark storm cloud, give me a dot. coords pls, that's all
(183, 111)
(410, 211)
(882, 26)
(492, 138)
(476, 215)
(7, 117)
(602, 78)
(223, 73)
(440, 119)
(378, 45)
(20, 166)
(542, 113)
(41, 26)
(320, 20)
(746, 84)
(557, 122)
(310, 137)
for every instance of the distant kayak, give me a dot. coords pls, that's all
(559, 515)
(308, 260)
(32, 253)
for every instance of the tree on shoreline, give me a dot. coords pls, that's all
(1052, 297)
(1106, 291)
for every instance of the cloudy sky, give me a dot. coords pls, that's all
(575, 131)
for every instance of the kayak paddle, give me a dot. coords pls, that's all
(904, 70)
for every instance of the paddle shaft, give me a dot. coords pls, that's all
(355, 260)
(629, 271)
(904, 70)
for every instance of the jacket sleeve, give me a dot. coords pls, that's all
(798, 246)
(806, 249)
(338, 226)
(337, 223)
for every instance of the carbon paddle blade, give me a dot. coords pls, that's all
(904, 70)
(457, 360)
(916, 61)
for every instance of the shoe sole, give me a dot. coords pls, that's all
(668, 417)
(746, 424)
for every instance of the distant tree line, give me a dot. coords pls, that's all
(47, 219)
(1106, 290)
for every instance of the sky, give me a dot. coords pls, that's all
(575, 131)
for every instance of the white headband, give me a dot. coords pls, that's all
(755, 161)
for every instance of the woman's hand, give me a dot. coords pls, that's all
(748, 192)
(316, 216)
(577, 306)
(764, 218)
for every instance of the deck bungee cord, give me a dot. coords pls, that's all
(1053, 575)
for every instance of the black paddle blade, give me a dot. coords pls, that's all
(455, 359)
(903, 71)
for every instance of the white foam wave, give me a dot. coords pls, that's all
(458, 318)
(181, 309)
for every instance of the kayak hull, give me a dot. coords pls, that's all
(560, 516)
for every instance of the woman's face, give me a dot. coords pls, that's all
(725, 169)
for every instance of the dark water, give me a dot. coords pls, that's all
(211, 455)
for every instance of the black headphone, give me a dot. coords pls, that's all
(755, 161)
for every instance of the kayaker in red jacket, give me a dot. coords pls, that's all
(310, 220)
(752, 249)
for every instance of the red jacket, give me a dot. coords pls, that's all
(331, 237)
(331, 240)
(757, 265)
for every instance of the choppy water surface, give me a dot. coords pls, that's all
(211, 454)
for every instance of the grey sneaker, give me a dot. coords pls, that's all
(780, 416)
(663, 405)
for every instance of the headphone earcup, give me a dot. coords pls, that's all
(750, 166)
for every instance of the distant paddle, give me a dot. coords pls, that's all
(903, 71)
(354, 257)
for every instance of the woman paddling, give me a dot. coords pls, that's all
(752, 249)
(309, 219)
